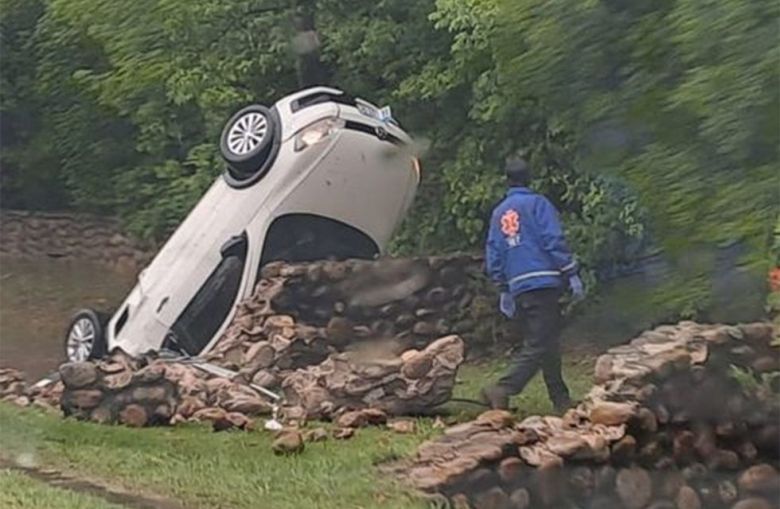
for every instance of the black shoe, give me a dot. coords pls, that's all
(496, 397)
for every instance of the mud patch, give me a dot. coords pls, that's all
(93, 488)
(39, 297)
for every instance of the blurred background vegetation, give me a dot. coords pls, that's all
(654, 126)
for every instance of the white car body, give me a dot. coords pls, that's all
(355, 177)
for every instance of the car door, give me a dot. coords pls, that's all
(204, 315)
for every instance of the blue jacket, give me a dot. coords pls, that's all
(526, 249)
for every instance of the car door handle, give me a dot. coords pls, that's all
(162, 304)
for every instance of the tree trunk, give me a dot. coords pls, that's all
(311, 70)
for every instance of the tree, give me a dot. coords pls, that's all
(136, 97)
(165, 74)
(678, 97)
(28, 177)
(478, 124)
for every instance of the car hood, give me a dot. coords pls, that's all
(193, 251)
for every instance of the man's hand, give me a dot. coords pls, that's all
(576, 287)
(506, 303)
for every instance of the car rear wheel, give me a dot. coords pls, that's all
(85, 338)
(249, 143)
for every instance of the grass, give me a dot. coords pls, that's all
(17, 491)
(577, 369)
(200, 468)
(205, 469)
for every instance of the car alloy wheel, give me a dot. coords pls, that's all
(84, 338)
(247, 133)
(249, 144)
(81, 340)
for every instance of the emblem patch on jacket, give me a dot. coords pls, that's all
(510, 227)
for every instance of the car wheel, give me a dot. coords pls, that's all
(248, 141)
(85, 338)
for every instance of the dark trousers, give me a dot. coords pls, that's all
(540, 315)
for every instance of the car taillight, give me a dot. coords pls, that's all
(317, 132)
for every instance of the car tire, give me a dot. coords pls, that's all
(249, 142)
(85, 338)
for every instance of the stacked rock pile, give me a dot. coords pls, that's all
(413, 383)
(141, 392)
(291, 440)
(670, 424)
(13, 386)
(301, 313)
(15, 389)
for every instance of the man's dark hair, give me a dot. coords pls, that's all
(518, 172)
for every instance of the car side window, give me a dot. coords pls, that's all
(307, 237)
(207, 311)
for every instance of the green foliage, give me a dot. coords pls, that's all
(624, 110)
(473, 139)
(773, 299)
(30, 176)
(134, 99)
(679, 98)
(775, 250)
(745, 377)
(752, 382)
(161, 78)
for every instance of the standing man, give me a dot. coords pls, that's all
(528, 259)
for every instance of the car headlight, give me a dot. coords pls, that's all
(317, 132)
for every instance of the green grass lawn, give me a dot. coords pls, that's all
(577, 370)
(200, 468)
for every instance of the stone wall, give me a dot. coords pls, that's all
(149, 391)
(72, 236)
(300, 313)
(684, 417)
(415, 382)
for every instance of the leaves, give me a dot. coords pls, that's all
(677, 98)
(640, 124)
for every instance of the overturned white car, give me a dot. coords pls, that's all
(317, 175)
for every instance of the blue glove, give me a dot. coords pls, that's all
(506, 303)
(576, 287)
